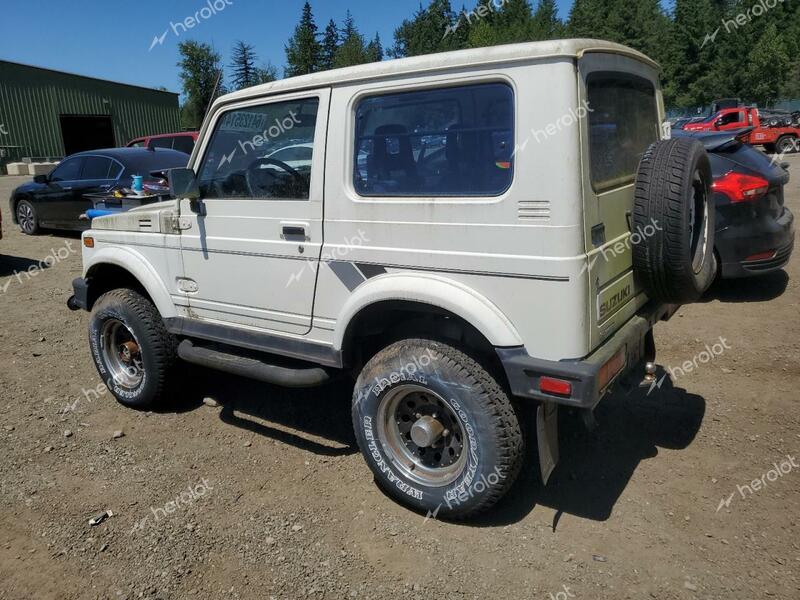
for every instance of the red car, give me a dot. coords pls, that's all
(183, 142)
(774, 139)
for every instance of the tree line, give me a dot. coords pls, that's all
(748, 49)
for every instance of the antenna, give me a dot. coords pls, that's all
(213, 93)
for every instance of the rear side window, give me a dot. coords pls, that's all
(455, 141)
(623, 122)
(183, 143)
(115, 171)
(161, 143)
(96, 167)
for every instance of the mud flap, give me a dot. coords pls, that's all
(547, 437)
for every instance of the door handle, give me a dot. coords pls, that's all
(293, 231)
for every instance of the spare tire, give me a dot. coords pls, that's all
(673, 197)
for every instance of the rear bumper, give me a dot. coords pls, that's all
(635, 338)
(736, 243)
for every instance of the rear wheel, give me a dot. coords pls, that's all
(438, 431)
(27, 218)
(672, 196)
(787, 145)
(132, 350)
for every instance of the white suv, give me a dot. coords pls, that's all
(473, 236)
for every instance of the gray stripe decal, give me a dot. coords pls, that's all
(370, 270)
(348, 274)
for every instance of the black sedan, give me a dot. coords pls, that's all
(755, 230)
(58, 200)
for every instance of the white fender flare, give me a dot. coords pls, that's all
(437, 291)
(133, 262)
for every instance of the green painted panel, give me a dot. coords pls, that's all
(32, 98)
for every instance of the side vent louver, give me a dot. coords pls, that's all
(534, 210)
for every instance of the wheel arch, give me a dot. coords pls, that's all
(112, 268)
(422, 296)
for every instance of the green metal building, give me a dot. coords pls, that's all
(46, 113)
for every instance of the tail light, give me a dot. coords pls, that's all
(556, 387)
(761, 256)
(740, 187)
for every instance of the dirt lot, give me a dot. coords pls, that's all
(282, 505)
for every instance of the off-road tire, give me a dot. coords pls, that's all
(158, 347)
(29, 222)
(494, 446)
(676, 264)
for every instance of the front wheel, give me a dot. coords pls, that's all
(438, 431)
(27, 218)
(132, 349)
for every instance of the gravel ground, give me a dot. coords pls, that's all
(266, 496)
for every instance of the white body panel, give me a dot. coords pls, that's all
(525, 266)
(514, 266)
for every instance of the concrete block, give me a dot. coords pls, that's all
(40, 168)
(17, 168)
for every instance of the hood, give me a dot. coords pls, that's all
(159, 217)
(30, 186)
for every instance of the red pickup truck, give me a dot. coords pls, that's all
(774, 139)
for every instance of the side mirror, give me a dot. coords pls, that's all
(41, 178)
(719, 123)
(183, 184)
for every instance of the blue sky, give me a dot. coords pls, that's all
(110, 39)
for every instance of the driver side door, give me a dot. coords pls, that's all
(251, 258)
(54, 200)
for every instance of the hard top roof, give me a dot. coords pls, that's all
(507, 53)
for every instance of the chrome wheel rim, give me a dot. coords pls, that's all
(423, 437)
(25, 217)
(699, 223)
(122, 354)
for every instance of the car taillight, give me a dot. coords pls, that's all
(556, 387)
(740, 187)
(761, 256)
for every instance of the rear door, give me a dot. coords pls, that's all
(98, 175)
(625, 113)
(252, 259)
